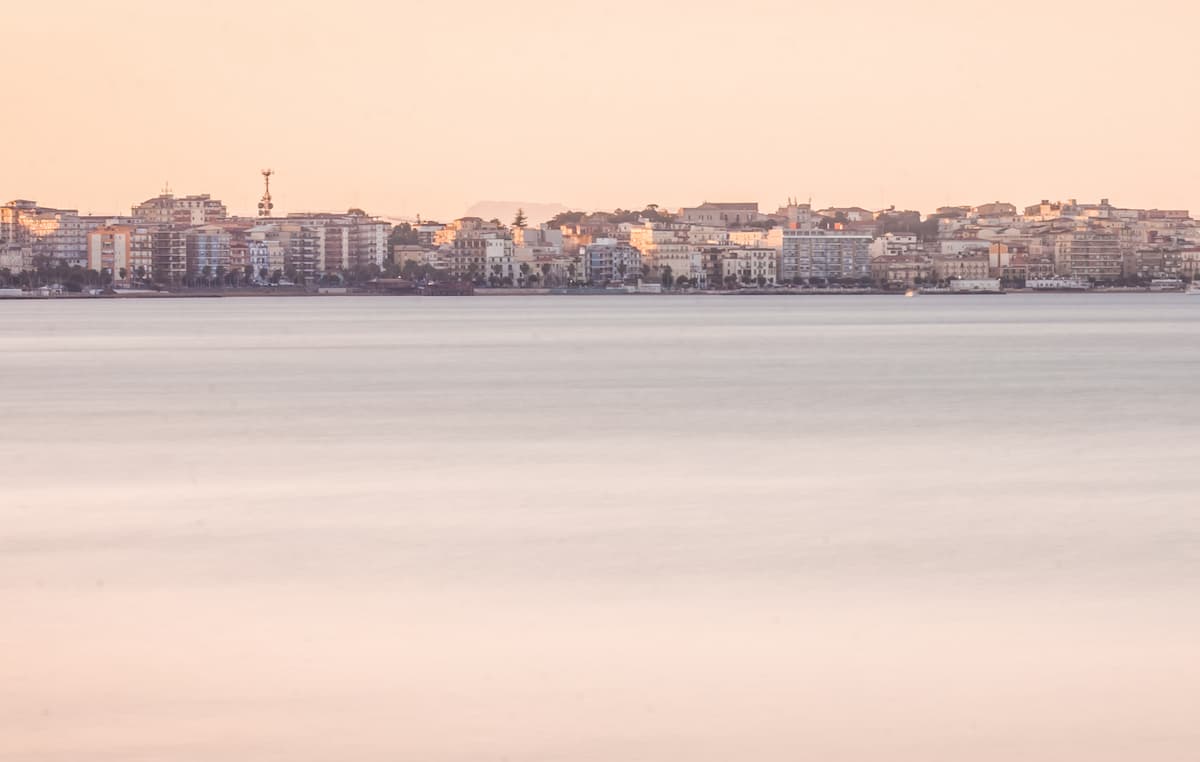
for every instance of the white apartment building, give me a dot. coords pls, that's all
(500, 262)
(265, 252)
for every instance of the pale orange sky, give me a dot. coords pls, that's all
(406, 108)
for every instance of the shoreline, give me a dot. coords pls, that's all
(500, 293)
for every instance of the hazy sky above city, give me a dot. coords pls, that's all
(407, 108)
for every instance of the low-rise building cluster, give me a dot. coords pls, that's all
(193, 241)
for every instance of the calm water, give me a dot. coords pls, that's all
(601, 529)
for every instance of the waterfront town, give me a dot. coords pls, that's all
(181, 244)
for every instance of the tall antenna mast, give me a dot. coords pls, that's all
(264, 205)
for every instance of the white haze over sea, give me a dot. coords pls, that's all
(692, 529)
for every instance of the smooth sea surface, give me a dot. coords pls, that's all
(604, 529)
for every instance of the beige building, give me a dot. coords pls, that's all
(721, 214)
(188, 211)
(969, 266)
(996, 209)
(668, 246)
(901, 270)
(1089, 253)
(750, 266)
(110, 250)
(682, 263)
(59, 235)
(468, 246)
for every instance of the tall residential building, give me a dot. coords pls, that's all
(265, 251)
(500, 264)
(468, 241)
(59, 235)
(610, 261)
(303, 243)
(168, 250)
(15, 252)
(369, 241)
(1090, 253)
(821, 255)
(141, 251)
(207, 250)
(344, 241)
(190, 211)
(110, 249)
(664, 243)
(10, 224)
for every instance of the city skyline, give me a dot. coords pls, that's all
(428, 110)
(192, 242)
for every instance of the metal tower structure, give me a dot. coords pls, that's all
(264, 205)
